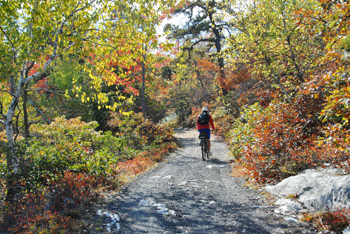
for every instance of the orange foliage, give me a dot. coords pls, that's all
(335, 221)
(45, 210)
(144, 161)
(234, 78)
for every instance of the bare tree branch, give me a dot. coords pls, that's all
(13, 46)
(82, 8)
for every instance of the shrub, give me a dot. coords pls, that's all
(51, 209)
(335, 221)
(70, 145)
(336, 111)
(145, 160)
(276, 142)
(138, 133)
(241, 135)
(67, 161)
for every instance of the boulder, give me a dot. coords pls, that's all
(317, 190)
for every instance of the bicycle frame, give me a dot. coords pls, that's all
(204, 145)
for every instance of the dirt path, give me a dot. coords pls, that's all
(186, 195)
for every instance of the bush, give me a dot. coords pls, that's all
(69, 145)
(51, 209)
(276, 142)
(335, 221)
(68, 161)
(140, 134)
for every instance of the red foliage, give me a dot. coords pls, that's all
(144, 161)
(51, 209)
(335, 221)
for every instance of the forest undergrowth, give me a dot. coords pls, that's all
(68, 165)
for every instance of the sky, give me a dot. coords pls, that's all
(178, 20)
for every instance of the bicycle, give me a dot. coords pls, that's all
(204, 145)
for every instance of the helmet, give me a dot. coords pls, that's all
(205, 109)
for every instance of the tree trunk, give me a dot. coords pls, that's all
(12, 160)
(198, 73)
(143, 86)
(11, 155)
(220, 57)
(25, 112)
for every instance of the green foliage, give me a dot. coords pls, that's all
(139, 133)
(69, 145)
(336, 111)
(241, 135)
(345, 43)
(65, 162)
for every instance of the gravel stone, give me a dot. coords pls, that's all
(203, 195)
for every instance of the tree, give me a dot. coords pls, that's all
(204, 25)
(38, 32)
(277, 45)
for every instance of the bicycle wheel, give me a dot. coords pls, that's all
(204, 147)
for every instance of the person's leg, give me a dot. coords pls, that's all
(200, 142)
(208, 144)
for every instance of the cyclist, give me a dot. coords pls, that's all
(203, 121)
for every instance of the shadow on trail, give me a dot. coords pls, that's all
(201, 215)
(216, 161)
(205, 198)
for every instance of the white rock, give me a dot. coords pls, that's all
(261, 207)
(317, 190)
(346, 231)
(160, 206)
(221, 166)
(210, 166)
(172, 213)
(144, 203)
(283, 210)
(163, 211)
(183, 183)
(99, 212)
(116, 217)
(167, 177)
(290, 219)
(113, 222)
(292, 205)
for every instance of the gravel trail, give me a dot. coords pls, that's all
(187, 195)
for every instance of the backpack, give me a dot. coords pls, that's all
(203, 118)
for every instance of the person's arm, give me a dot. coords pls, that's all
(197, 122)
(211, 122)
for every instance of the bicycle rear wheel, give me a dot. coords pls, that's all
(204, 149)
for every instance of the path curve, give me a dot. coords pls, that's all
(187, 195)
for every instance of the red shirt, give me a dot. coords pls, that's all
(206, 126)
